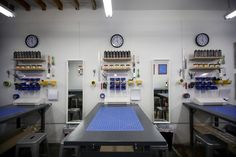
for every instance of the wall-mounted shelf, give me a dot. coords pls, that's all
(117, 59)
(204, 68)
(31, 69)
(30, 59)
(116, 69)
(204, 58)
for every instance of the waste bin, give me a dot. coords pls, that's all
(166, 131)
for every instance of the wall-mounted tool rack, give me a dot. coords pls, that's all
(29, 64)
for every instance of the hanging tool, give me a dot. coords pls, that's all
(133, 65)
(8, 73)
(102, 95)
(52, 67)
(49, 66)
(6, 83)
(93, 83)
(53, 60)
(94, 72)
(138, 75)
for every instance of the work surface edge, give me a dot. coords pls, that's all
(203, 108)
(29, 109)
(150, 135)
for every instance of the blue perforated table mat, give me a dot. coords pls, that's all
(7, 111)
(115, 119)
(227, 110)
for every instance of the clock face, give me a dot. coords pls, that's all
(31, 41)
(117, 40)
(202, 39)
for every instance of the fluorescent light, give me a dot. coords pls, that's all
(7, 12)
(107, 7)
(231, 15)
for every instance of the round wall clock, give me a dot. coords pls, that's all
(31, 41)
(202, 39)
(117, 40)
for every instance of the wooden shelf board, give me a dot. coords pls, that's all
(116, 59)
(35, 69)
(204, 68)
(116, 69)
(204, 58)
(30, 59)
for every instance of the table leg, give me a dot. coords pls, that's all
(18, 122)
(191, 112)
(42, 115)
(216, 121)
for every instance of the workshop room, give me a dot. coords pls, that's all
(117, 78)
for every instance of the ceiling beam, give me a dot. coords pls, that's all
(59, 4)
(94, 4)
(77, 4)
(24, 4)
(41, 4)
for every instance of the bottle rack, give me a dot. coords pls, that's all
(116, 61)
(24, 55)
(28, 63)
(117, 56)
(206, 60)
(207, 53)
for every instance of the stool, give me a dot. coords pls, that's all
(75, 102)
(32, 142)
(211, 143)
(63, 147)
(74, 111)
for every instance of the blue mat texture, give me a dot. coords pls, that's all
(7, 111)
(224, 110)
(115, 119)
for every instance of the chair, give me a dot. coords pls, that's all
(32, 142)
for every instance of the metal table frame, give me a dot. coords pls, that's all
(150, 139)
(29, 109)
(192, 107)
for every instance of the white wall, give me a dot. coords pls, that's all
(82, 34)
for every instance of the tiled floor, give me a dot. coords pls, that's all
(178, 151)
(54, 152)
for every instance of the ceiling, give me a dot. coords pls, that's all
(128, 4)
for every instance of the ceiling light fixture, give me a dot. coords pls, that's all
(107, 7)
(6, 11)
(231, 12)
(230, 15)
